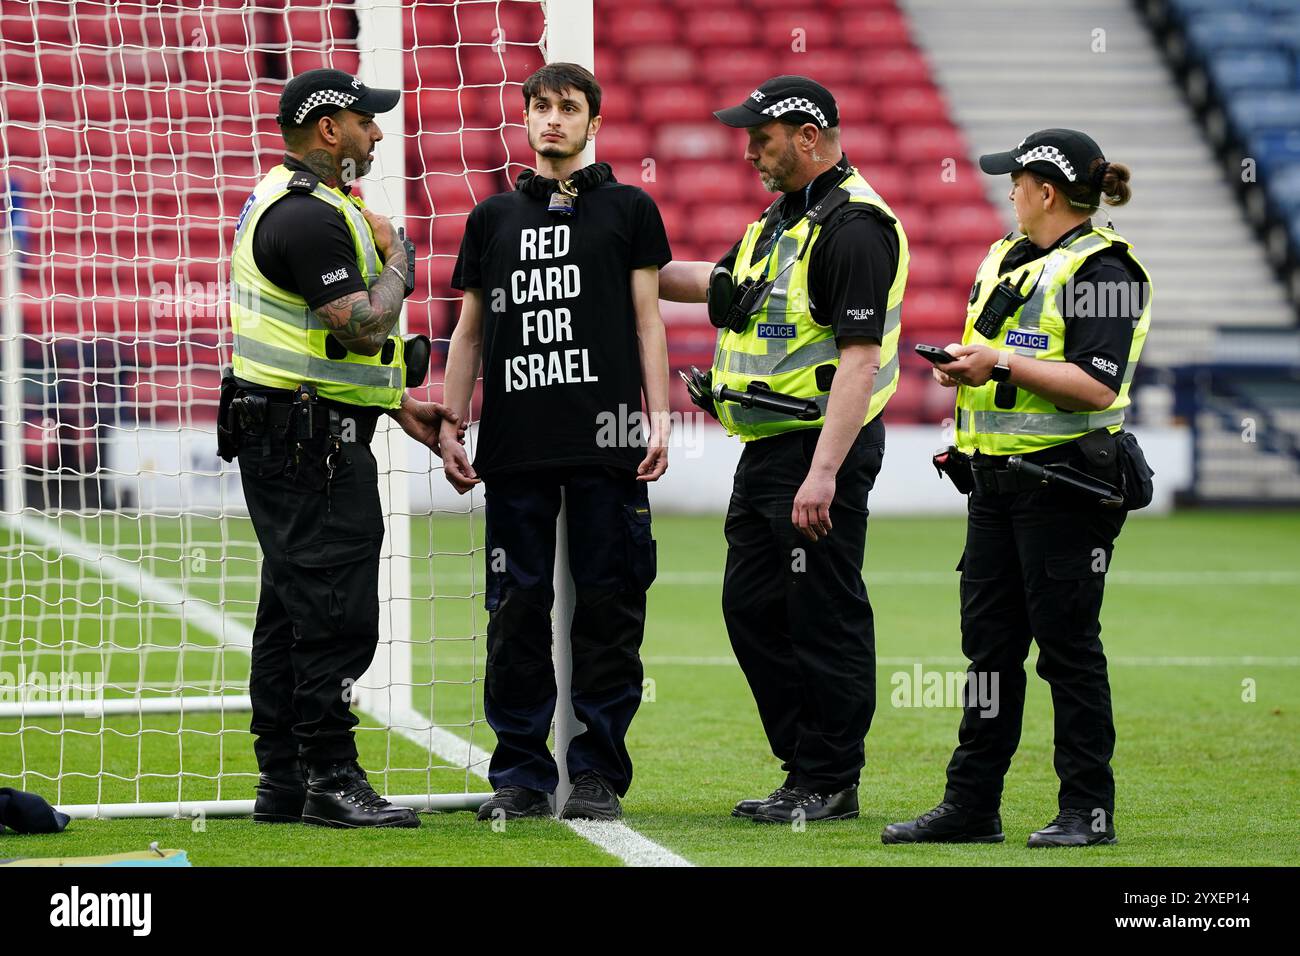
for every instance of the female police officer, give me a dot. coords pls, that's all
(1042, 378)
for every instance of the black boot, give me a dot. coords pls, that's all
(280, 797)
(947, 823)
(747, 808)
(592, 799)
(1076, 828)
(799, 804)
(339, 795)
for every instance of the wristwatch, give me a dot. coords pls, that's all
(1002, 371)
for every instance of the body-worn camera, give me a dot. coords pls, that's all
(731, 305)
(1002, 303)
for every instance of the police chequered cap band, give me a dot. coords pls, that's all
(320, 98)
(1048, 154)
(792, 103)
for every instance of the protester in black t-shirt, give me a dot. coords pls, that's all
(561, 308)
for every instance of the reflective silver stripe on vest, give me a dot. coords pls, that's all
(885, 377)
(1031, 423)
(762, 416)
(317, 369)
(814, 353)
(1032, 314)
(787, 247)
(363, 233)
(350, 212)
(1087, 244)
(267, 307)
(854, 189)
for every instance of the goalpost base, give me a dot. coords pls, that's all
(191, 809)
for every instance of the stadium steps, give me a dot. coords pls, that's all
(1008, 69)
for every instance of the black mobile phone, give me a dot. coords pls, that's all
(936, 355)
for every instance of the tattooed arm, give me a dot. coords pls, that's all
(362, 321)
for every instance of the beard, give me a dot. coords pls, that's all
(774, 180)
(354, 162)
(555, 149)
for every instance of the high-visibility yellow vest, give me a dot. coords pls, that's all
(782, 346)
(279, 342)
(1037, 329)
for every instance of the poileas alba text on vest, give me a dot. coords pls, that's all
(551, 283)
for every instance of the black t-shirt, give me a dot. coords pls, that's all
(1101, 307)
(852, 263)
(303, 245)
(561, 365)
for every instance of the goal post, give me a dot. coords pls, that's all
(128, 568)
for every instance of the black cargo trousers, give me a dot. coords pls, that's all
(797, 611)
(317, 622)
(1034, 569)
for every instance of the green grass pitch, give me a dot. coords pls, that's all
(1198, 624)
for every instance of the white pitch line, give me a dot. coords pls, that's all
(201, 613)
(670, 660)
(1122, 577)
(615, 838)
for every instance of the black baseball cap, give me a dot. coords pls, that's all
(1062, 155)
(318, 92)
(795, 99)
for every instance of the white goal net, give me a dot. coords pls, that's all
(132, 135)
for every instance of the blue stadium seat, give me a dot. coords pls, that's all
(1274, 150)
(1185, 9)
(1256, 111)
(1236, 70)
(1284, 190)
(1272, 6)
(1222, 31)
(1285, 33)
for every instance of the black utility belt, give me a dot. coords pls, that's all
(287, 419)
(355, 425)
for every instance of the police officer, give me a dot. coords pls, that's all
(317, 288)
(809, 305)
(561, 308)
(1042, 382)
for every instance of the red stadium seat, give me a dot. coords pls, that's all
(677, 103)
(941, 311)
(697, 141)
(912, 105)
(970, 223)
(801, 31)
(887, 179)
(659, 64)
(630, 28)
(714, 28)
(865, 144)
(929, 268)
(893, 67)
(426, 24)
(622, 142)
(711, 181)
(715, 222)
(944, 183)
(934, 142)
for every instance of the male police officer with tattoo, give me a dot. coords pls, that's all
(317, 288)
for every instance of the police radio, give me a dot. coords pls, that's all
(1003, 302)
